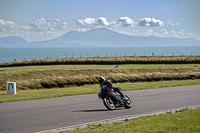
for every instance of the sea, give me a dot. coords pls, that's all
(21, 54)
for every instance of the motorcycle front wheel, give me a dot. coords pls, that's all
(108, 102)
(127, 104)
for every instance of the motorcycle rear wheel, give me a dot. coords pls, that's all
(108, 102)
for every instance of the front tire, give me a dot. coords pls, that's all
(108, 102)
(127, 103)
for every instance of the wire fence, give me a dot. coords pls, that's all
(76, 55)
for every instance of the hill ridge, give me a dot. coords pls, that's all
(101, 37)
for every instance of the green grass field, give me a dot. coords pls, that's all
(182, 121)
(41, 77)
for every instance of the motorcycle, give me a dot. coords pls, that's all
(112, 99)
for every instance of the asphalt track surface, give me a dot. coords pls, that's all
(52, 113)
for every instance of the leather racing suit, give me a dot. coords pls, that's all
(109, 85)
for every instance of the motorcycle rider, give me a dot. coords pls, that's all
(104, 83)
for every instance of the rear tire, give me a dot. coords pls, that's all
(108, 102)
(127, 103)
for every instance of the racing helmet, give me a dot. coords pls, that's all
(101, 80)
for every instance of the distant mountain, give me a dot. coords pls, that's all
(106, 38)
(12, 42)
(103, 38)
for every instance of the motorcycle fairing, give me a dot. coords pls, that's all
(115, 95)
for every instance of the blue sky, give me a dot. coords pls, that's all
(37, 20)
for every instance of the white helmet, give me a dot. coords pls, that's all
(101, 80)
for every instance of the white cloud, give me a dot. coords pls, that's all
(8, 26)
(182, 32)
(150, 22)
(175, 34)
(86, 22)
(81, 30)
(125, 33)
(190, 34)
(56, 20)
(164, 32)
(92, 22)
(34, 30)
(126, 21)
(149, 32)
(172, 32)
(42, 24)
(172, 23)
(102, 21)
(136, 32)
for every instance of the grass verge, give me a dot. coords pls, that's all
(185, 120)
(32, 77)
(87, 89)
